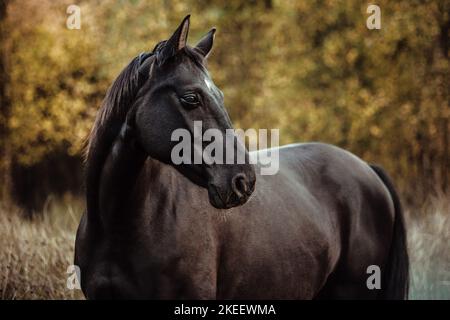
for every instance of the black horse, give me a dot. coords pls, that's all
(153, 229)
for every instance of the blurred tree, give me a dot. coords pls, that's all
(5, 106)
(310, 68)
(55, 81)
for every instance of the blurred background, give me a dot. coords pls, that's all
(310, 68)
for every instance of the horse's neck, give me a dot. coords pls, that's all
(119, 174)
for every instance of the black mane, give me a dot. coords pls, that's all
(110, 117)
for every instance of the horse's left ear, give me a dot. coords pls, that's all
(176, 42)
(205, 44)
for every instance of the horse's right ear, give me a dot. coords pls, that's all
(205, 44)
(176, 42)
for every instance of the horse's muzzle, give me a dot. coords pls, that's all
(237, 193)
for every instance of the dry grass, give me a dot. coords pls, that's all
(429, 249)
(34, 255)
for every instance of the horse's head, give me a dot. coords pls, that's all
(178, 93)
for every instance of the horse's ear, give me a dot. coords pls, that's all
(205, 44)
(176, 42)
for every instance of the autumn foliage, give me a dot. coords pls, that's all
(311, 68)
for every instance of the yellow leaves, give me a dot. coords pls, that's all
(351, 56)
(311, 69)
(406, 109)
(331, 53)
(51, 90)
(375, 131)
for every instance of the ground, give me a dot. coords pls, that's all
(35, 255)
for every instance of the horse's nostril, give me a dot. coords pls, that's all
(239, 185)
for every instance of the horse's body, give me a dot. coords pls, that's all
(309, 231)
(326, 213)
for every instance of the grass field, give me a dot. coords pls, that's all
(34, 255)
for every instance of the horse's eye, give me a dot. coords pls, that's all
(190, 100)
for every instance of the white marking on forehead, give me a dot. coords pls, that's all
(208, 83)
